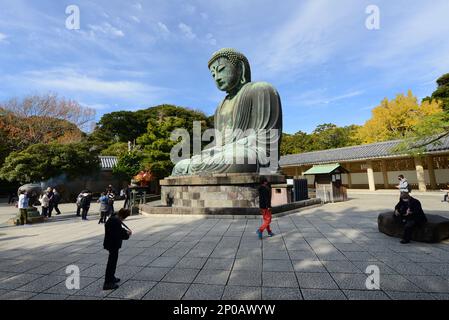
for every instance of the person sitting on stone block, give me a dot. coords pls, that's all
(409, 212)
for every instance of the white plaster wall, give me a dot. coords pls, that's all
(442, 175)
(359, 178)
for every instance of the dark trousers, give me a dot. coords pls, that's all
(445, 197)
(111, 266)
(408, 229)
(103, 216)
(55, 207)
(408, 224)
(23, 216)
(45, 211)
(78, 211)
(84, 213)
(126, 205)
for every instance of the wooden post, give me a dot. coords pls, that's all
(430, 168)
(349, 180)
(420, 175)
(385, 174)
(370, 173)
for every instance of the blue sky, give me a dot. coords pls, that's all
(325, 63)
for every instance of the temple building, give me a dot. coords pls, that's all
(376, 166)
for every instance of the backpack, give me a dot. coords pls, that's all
(409, 187)
(84, 202)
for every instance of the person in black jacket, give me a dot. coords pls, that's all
(409, 212)
(54, 203)
(265, 207)
(85, 204)
(115, 233)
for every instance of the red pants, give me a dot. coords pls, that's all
(266, 213)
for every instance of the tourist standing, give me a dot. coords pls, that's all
(115, 233)
(11, 196)
(127, 197)
(409, 212)
(265, 207)
(111, 197)
(54, 203)
(403, 185)
(85, 204)
(104, 207)
(45, 203)
(23, 206)
(50, 195)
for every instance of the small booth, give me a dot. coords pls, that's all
(328, 183)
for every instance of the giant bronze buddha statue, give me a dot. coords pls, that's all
(248, 122)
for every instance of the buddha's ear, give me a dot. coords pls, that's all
(242, 77)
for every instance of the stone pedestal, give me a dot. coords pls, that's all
(231, 190)
(228, 195)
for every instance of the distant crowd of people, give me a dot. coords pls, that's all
(50, 199)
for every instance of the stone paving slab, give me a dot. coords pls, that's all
(317, 253)
(167, 291)
(315, 294)
(204, 292)
(366, 295)
(281, 293)
(133, 289)
(242, 293)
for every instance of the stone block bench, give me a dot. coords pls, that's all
(435, 230)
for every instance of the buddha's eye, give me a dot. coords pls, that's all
(221, 68)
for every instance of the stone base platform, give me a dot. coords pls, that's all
(281, 210)
(229, 190)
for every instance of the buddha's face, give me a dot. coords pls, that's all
(226, 75)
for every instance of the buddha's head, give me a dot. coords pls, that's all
(230, 69)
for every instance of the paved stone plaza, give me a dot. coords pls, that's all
(317, 253)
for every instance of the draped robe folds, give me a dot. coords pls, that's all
(248, 138)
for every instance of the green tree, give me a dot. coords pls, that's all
(442, 92)
(116, 149)
(44, 161)
(129, 164)
(295, 143)
(156, 144)
(330, 136)
(120, 126)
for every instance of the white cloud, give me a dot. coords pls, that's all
(416, 35)
(310, 36)
(210, 39)
(317, 97)
(3, 37)
(107, 29)
(138, 6)
(135, 19)
(73, 81)
(163, 28)
(190, 9)
(187, 31)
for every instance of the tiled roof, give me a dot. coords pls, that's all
(108, 162)
(361, 152)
